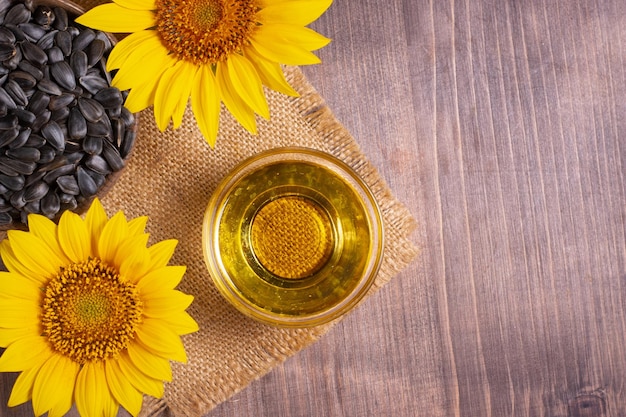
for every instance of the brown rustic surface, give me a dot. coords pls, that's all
(501, 125)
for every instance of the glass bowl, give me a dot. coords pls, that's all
(293, 237)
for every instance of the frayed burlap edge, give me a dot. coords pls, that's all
(398, 252)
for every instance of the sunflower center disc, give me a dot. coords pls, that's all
(205, 31)
(89, 313)
(292, 237)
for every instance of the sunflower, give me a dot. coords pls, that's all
(89, 313)
(210, 50)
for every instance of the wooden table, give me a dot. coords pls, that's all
(501, 124)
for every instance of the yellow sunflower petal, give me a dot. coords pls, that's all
(137, 225)
(14, 265)
(161, 339)
(137, 4)
(205, 102)
(33, 253)
(166, 278)
(247, 84)
(181, 322)
(272, 46)
(150, 364)
(162, 303)
(23, 387)
(122, 50)
(46, 230)
(54, 386)
(8, 336)
(161, 253)
(111, 17)
(91, 389)
(15, 286)
(15, 313)
(113, 235)
(296, 12)
(298, 35)
(74, 237)
(147, 61)
(271, 73)
(132, 258)
(121, 388)
(174, 86)
(95, 220)
(24, 353)
(186, 79)
(138, 379)
(235, 105)
(110, 407)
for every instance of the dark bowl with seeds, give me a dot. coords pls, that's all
(65, 134)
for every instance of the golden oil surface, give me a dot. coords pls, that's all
(294, 238)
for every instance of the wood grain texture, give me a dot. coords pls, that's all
(501, 124)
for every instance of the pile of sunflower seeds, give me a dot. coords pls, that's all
(63, 128)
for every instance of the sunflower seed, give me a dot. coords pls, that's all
(44, 16)
(14, 183)
(93, 83)
(50, 204)
(76, 124)
(8, 122)
(25, 80)
(6, 99)
(34, 177)
(33, 207)
(30, 69)
(19, 166)
(47, 154)
(47, 40)
(91, 109)
(53, 135)
(60, 101)
(33, 53)
(36, 191)
(16, 93)
(78, 62)
(7, 51)
(6, 35)
(20, 138)
(64, 41)
(93, 145)
(100, 128)
(52, 175)
(68, 184)
(109, 98)
(33, 31)
(62, 73)
(98, 164)
(48, 86)
(60, 114)
(19, 34)
(87, 185)
(42, 118)
(55, 55)
(12, 63)
(83, 39)
(104, 38)
(66, 198)
(24, 154)
(38, 102)
(5, 218)
(127, 143)
(17, 14)
(35, 141)
(17, 199)
(95, 51)
(61, 19)
(8, 136)
(112, 156)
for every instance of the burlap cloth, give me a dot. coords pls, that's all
(170, 176)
